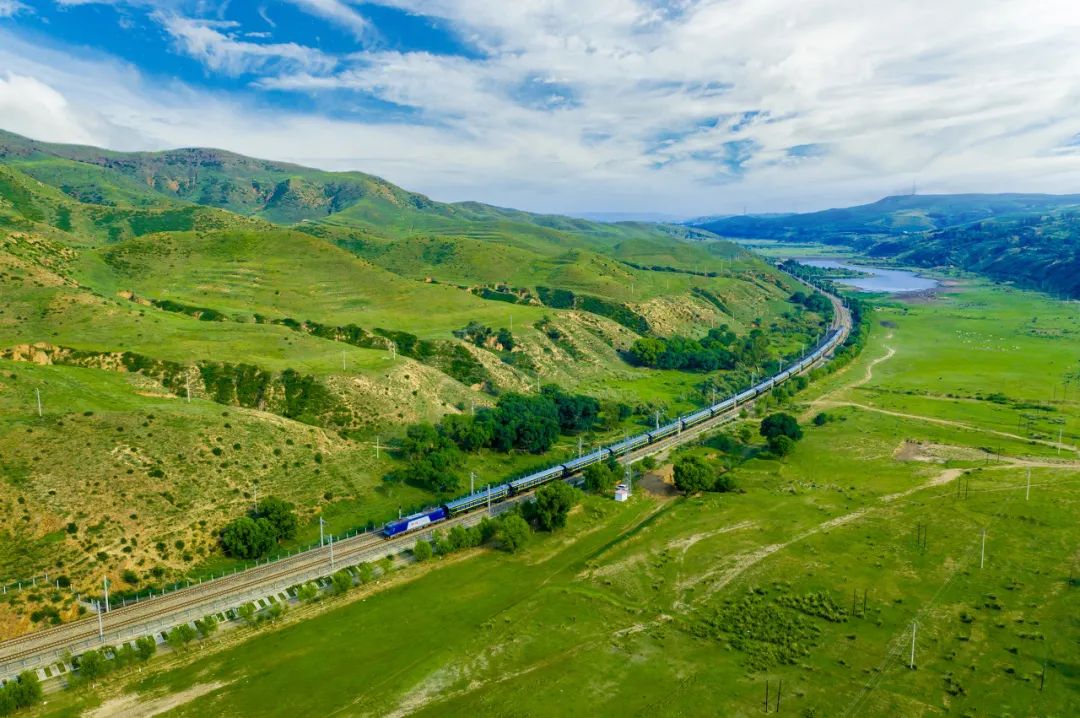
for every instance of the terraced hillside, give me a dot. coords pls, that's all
(193, 343)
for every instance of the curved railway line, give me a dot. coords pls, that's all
(160, 613)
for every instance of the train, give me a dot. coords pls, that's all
(496, 493)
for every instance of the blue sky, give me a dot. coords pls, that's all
(685, 107)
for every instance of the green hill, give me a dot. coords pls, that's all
(1032, 239)
(197, 323)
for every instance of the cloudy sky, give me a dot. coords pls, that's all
(678, 106)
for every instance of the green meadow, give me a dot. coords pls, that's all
(808, 580)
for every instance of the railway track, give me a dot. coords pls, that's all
(162, 612)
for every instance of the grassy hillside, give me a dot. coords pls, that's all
(1033, 240)
(811, 576)
(303, 336)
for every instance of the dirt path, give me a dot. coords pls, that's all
(946, 422)
(867, 377)
(132, 705)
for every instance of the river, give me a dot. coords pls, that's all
(889, 281)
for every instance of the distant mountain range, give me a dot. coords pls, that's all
(1032, 239)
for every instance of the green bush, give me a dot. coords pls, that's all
(422, 551)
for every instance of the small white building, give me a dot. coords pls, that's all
(622, 492)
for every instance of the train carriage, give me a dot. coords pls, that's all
(492, 494)
(668, 430)
(575, 465)
(696, 418)
(540, 477)
(629, 444)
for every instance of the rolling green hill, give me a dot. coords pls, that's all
(197, 323)
(1032, 239)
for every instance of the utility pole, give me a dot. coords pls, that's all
(331, 552)
(105, 583)
(580, 441)
(914, 627)
(376, 447)
(472, 483)
(100, 625)
(657, 418)
(37, 392)
(982, 555)
(188, 387)
(322, 523)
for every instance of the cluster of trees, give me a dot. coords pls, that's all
(23, 692)
(529, 423)
(814, 301)
(694, 474)
(719, 349)
(96, 663)
(254, 534)
(480, 334)
(781, 430)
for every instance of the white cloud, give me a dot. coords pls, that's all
(690, 107)
(10, 8)
(338, 12)
(31, 107)
(205, 41)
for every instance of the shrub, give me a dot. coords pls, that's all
(145, 647)
(781, 445)
(781, 424)
(552, 505)
(693, 474)
(514, 533)
(342, 581)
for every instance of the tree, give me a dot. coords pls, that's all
(781, 424)
(21, 693)
(180, 636)
(693, 474)
(247, 538)
(422, 550)
(781, 445)
(468, 433)
(92, 665)
(145, 647)
(514, 533)
(506, 339)
(648, 463)
(527, 423)
(552, 504)
(206, 626)
(488, 529)
(343, 582)
(647, 351)
(599, 478)
(280, 515)
(247, 612)
(723, 484)
(364, 572)
(307, 593)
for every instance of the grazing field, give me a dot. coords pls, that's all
(807, 583)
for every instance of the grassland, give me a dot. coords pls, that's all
(688, 606)
(137, 277)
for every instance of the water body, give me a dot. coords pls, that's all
(890, 281)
